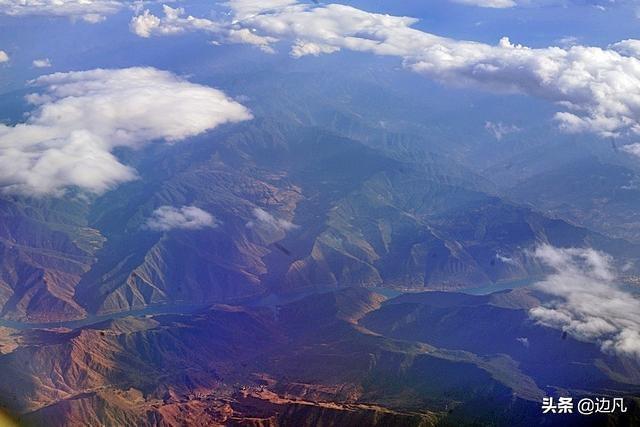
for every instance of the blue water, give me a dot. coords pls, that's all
(501, 286)
(90, 320)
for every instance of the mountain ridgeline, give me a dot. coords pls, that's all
(325, 288)
(348, 357)
(358, 216)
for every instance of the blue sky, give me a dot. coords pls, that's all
(536, 26)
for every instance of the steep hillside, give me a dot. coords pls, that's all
(345, 357)
(46, 246)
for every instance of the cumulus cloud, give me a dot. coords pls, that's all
(629, 47)
(90, 10)
(42, 63)
(597, 88)
(588, 304)
(4, 57)
(81, 117)
(247, 8)
(269, 223)
(499, 130)
(167, 218)
(175, 22)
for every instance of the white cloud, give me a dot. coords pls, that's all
(174, 22)
(632, 149)
(80, 117)
(244, 9)
(4, 57)
(499, 130)
(167, 218)
(588, 304)
(495, 4)
(42, 63)
(93, 18)
(90, 10)
(146, 24)
(506, 260)
(568, 41)
(303, 48)
(629, 47)
(269, 223)
(597, 88)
